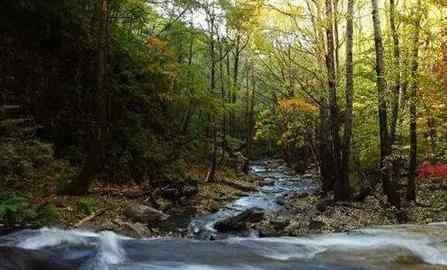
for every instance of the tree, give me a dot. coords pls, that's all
(411, 186)
(347, 138)
(385, 148)
(98, 132)
(340, 186)
(397, 89)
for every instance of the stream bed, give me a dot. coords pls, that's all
(278, 182)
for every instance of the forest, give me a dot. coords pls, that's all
(139, 116)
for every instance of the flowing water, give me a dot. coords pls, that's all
(279, 181)
(386, 247)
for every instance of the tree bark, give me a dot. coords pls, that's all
(212, 89)
(397, 89)
(385, 149)
(95, 145)
(325, 154)
(411, 185)
(251, 123)
(340, 187)
(349, 92)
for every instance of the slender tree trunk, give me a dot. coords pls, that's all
(397, 89)
(411, 186)
(222, 96)
(349, 92)
(251, 123)
(385, 149)
(92, 163)
(190, 110)
(325, 157)
(336, 38)
(212, 119)
(325, 153)
(210, 176)
(340, 188)
(233, 95)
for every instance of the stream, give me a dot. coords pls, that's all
(385, 247)
(278, 182)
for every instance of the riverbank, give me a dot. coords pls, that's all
(113, 206)
(308, 213)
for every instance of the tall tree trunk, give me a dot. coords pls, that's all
(233, 95)
(251, 122)
(349, 92)
(190, 111)
(385, 148)
(336, 38)
(95, 152)
(212, 119)
(325, 154)
(222, 96)
(397, 89)
(210, 176)
(411, 186)
(340, 188)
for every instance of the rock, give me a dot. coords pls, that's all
(297, 227)
(12, 258)
(134, 230)
(189, 190)
(301, 195)
(281, 200)
(279, 223)
(324, 204)
(316, 225)
(178, 191)
(144, 214)
(164, 204)
(268, 182)
(240, 221)
(212, 206)
(239, 194)
(170, 193)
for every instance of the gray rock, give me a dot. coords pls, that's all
(144, 214)
(12, 258)
(240, 221)
(189, 191)
(268, 182)
(316, 225)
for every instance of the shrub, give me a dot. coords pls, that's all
(14, 208)
(87, 205)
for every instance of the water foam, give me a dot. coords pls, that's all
(182, 266)
(110, 252)
(428, 249)
(107, 245)
(48, 237)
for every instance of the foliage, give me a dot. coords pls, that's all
(12, 207)
(87, 206)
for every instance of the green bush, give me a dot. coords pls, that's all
(46, 215)
(87, 205)
(14, 208)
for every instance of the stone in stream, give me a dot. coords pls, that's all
(12, 258)
(144, 214)
(268, 182)
(239, 222)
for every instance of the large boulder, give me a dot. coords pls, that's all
(240, 221)
(144, 214)
(12, 258)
